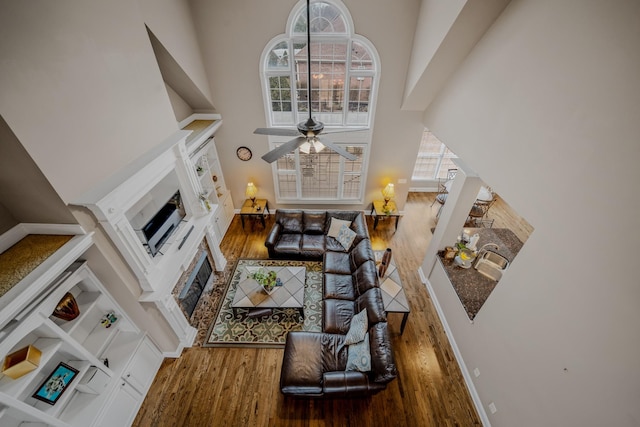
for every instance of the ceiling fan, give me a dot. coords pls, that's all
(308, 132)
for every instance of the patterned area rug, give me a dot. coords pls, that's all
(228, 330)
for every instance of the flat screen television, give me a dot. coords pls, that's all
(164, 222)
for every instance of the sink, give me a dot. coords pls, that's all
(490, 257)
(491, 264)
(491, 272)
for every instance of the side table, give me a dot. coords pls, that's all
(257, 209)
(379, 209)
(393, 296)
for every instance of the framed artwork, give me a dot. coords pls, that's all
(56, 383)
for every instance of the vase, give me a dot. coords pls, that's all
(67, 308)
(268, 290)
(21, 362)
(384, 264)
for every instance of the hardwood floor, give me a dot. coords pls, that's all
(240, 387)
(506, 217)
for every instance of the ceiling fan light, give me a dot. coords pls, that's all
(305, 147)
(318, 146)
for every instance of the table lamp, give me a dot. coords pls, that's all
(388, 193)
(251, 192)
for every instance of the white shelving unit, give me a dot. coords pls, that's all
(212, 180)
(204, 155)
(81, 343)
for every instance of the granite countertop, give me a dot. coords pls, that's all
(473, 288)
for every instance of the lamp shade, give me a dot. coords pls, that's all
(251, 190)
(389, 192)
(312, 142)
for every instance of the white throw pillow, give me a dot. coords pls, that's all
(336, 224)
(358, 328)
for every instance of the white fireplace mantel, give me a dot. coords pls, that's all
(116, 201)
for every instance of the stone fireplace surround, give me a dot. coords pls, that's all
(187, 276)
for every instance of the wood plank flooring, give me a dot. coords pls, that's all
(240, 387)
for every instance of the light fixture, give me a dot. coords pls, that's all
(388, 193)
(311, 142)
(251, 192)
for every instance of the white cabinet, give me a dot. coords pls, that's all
(121, 411)
(132, 386)
(143, 366)
(83, 343)
(223, 216)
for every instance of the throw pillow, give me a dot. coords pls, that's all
(359, 356)
(358, 328)
(334, 227)
(346, 237)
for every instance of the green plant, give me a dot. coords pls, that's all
(461, 245)
(267, 279)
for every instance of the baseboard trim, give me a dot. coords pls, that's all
(423, 189)
(456, 351)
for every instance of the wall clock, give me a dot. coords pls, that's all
(244, 153)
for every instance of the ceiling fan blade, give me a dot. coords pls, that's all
(343, 131)
(285, 148)
(277, 132)
(330, 145)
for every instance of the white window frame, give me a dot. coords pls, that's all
(342, 174)
(347, 139)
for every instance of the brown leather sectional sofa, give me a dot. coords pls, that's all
(315, 363)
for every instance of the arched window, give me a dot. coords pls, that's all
(344, 70)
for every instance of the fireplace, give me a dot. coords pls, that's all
(196, 282)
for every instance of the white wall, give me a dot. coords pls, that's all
(546, 109)
(171, 22)
(81, 88)
(25, 192)
(181, 109)
(434, 22)
(236, 34)
(7, 221)
(446, 33)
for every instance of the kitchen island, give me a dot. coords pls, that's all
(473, 288)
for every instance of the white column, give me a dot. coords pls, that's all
(454, 213)
(214, 244)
